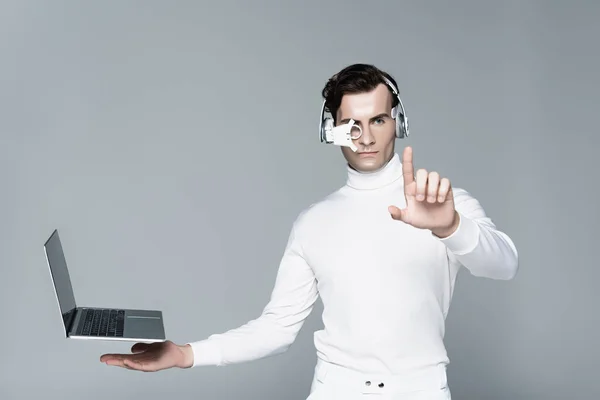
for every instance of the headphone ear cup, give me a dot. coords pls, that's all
(327, 124)
(400, 126)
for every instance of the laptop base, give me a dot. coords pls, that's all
(93, 323)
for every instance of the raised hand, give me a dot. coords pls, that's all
(152, 357)
(429, 200)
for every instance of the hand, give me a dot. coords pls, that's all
(152, 357)
(429, 200)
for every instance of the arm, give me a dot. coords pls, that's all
(273, 332)
(476, 242)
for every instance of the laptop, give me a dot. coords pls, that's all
(98, 323)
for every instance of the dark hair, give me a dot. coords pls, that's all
(355, 78)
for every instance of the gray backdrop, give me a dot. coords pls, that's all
(174, 143)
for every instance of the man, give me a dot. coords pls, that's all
(382, 252)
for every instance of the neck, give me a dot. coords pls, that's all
(390, 172)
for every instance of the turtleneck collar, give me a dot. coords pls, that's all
(389, 173)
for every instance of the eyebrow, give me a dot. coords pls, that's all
(380, 115)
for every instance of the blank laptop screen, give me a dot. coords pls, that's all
(60, 276)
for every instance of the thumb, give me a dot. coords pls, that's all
(139, 347)
(397, 213)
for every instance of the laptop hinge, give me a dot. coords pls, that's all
(70, 320)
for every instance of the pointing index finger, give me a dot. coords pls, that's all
(408, 170)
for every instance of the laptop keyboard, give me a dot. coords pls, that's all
(102, 322)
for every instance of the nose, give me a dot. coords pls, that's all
(366, 139)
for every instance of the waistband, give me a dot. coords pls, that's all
(431, 378)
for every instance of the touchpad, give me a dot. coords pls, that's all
(144, 326)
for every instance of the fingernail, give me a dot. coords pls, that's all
(420, 197)
(441, 199)
(431, 199)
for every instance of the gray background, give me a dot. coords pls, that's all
(174, 143)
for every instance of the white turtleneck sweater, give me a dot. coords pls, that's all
(386, 286)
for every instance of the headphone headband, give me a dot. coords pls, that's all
(398, 114)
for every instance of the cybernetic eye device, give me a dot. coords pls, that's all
(343, 135)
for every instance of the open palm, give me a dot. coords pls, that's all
(150, 357)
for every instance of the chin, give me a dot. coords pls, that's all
(367, 166)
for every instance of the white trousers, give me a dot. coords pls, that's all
(332, 382)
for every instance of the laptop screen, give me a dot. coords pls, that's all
(60, 277)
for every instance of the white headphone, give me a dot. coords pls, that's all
(326, 127)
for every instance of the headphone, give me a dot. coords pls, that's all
(326, 123)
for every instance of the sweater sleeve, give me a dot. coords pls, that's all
(477, 244)
(273, 332)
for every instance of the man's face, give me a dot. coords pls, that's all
(372, 112)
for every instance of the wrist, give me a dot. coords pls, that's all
(187, 360)
(444, 232)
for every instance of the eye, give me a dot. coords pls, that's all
(379, 121)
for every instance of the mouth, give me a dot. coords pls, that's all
(367, 153)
